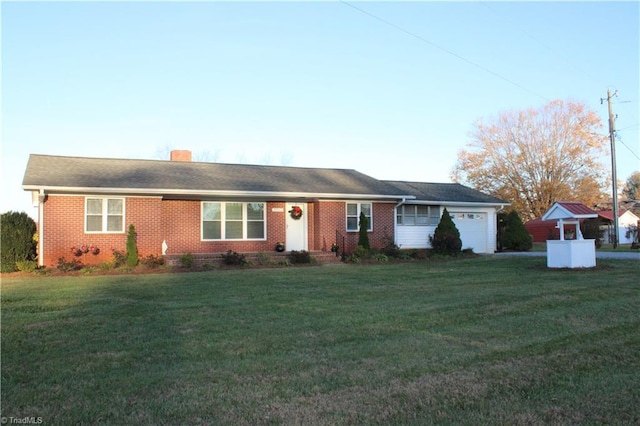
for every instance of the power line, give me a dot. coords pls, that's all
(629, 127)
(541, 43)
(424, 40)
(619, 139)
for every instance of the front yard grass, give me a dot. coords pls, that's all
(486, 340)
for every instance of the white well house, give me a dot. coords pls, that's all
(570, 251)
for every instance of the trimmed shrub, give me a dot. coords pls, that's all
(359, 254)
(152, 261)
(119, 258)
(26, 265)
(18, 243)
(263, 258)
(381, 257)
(515, 236)
(186, 260)
(301, 256)
(132, 246)
(446, 238)
(67, 266)
(363, 236)
(232, 258)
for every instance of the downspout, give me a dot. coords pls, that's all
(41, 198)
(498, 244)
(395, 220)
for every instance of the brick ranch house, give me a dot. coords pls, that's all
(180, 206)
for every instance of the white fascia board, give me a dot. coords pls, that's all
(180, 192)
(457, 203)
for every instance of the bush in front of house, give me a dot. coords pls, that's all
(363, 235)
(18, 244)
(446, 238)
(119, 258)
(301, 256)
(186, 260)
(515, 235)
(65, 265)
(359, 254)
(232, 258)
(152, 261)
(26, 266)
(132, 246)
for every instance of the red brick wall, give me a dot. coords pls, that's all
(64, 228)
(332, 217)
(182, 230)
(178, 223)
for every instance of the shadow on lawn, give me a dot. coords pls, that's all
(99, 350)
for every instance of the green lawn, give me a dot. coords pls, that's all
(487, 340)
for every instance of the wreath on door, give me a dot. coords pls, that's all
(296, 212)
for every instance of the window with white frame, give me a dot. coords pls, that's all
(233, 221)
(417, 215)
(104, 215)
(353, 215)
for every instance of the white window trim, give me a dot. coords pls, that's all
(104, 214)
(359, 210)
(429, 207)
(223, 221)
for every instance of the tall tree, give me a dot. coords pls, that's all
(632, 186)
(535, 157)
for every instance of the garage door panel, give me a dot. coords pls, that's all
(473, 230)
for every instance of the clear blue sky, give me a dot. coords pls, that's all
(392, 92)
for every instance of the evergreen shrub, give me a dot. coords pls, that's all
(363, 236)
(515, 236)
(446, 238)
(18, 244)
(132, 246)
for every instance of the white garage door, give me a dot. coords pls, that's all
(473, 230)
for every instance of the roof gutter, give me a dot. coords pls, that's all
(191, 192)
(463, 204)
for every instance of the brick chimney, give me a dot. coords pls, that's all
(180, 155)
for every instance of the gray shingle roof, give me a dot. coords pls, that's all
(444, 192)
(80, 173)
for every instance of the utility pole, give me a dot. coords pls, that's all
(614, 177)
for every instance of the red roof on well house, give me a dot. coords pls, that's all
(576, 207)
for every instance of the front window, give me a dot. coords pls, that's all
(233, 221)
(417, 215)
(103, 215)
(353, 215)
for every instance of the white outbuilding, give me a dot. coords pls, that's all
(575, 252)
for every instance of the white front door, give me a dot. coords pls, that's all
(296, 228)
